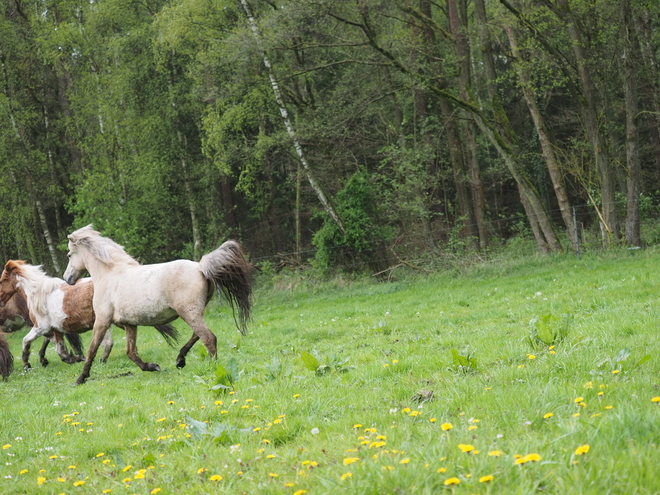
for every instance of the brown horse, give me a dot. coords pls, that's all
(14, 316)
(56, 306)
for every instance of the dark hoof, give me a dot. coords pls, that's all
(27, 367)
(181, 363)
(80, 381)
(151, 367)
(44, 362)
(79, 359)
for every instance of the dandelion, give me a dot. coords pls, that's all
(350, 460)
(452, 481)
(356, 426)
(473, 427)
(404, 461)
(616, 371)
(582, 449)
(107, 490)
(295, 396)
(520, 366)
(609, 407)
(155, 491)
(405, 410)
(441, 470)
(23, 471)
(126, 480)
(79, 483)
(432, 420)
(654, 399)
(6, 446)
(273, 475)
(465, 447)
(127, 468)
(486, 478)
(216, 477)
(415, 413)
(446, 426)
(578, 400)
(300, 492)
(495, 453)
(201, 470)
(100, 454)
(548, 415)
(41, 480)
(531, 356)
(346, 475)
(160, 420)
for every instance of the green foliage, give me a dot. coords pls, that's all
(366, 235)
(547, 330)
(335, 364)
(464, 363)
(225, 377)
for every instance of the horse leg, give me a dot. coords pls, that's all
(196, 322)
(6, 358)
(31, 336)
(181, 358)
(107, 343)
(42, 352)
(62, 351)
(131, 350)
(101, 326)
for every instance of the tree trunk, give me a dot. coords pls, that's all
(47, 235)
(329, 209)
(544, 139)
(190, 196)
(631, 57)
(535, 209)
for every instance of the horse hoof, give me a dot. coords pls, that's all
(79, 359)
(151, 367)
(27, 367)
(80, 381)
(44, 362)
(181, 363)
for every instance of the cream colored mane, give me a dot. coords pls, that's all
(37, 286)
(102, 248)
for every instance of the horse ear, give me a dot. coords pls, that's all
(13, 264)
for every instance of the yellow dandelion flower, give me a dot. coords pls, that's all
(533, 457)
(218, 402)
(415, 413)
(495, 453)
(273, 475)
(107, 490)
(127, 468)
(654, 399)
(405, 410)
(486, 478)
(531, 356)
(441, 470)
(79, 483)
(588, 385)
(465, 447)
(155, 491)
(6, 446)
(582, 449)
(72, 466)
(404, 461)
(609, 407)
(386, 365)
(215, 477)
(473, 427)
(452, 481)
(271, 456)
(160, 420)
(432, 420)
(576, 415)
(350, 460)
(100, 454)
(41, 480)
(548, 415)
(23, 471)
(300, 492)
(126, 480)
(616, 371)
(358, 425)
(295, 396)
(578, 400)
(346, 475)
(201, 470)
(446, 426)
(53, 457)
(520, 366)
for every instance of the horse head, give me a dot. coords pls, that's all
(76, 266)
(8, 280)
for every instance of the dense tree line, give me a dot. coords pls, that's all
(335, 127)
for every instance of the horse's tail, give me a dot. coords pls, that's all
(169, 333)
(231, 272)
(76, 343)
(6, 358)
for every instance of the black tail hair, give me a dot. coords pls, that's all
(169, 333)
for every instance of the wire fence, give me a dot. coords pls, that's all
(443, 246)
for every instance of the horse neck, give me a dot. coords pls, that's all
(96, 268)
(36, 290)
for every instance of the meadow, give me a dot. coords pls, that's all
(532, 375)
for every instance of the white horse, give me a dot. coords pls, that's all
(130, 294)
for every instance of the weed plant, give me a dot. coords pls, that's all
(363, 387)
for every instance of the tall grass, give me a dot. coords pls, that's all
(386, 408)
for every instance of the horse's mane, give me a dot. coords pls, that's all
(36, 285)
(102, 248)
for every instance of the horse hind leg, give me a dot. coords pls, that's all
(62, 351)
(131, 350)
(181, 358)
(101, 326)
(197, 324)
(6, 358)
(107, 344)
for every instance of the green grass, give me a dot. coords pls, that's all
(286, 428)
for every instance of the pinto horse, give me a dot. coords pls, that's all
(130, 294)
(56, 306)
(15, 315)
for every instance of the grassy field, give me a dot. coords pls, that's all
(352, 387)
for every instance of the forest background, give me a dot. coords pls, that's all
(358, 134)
